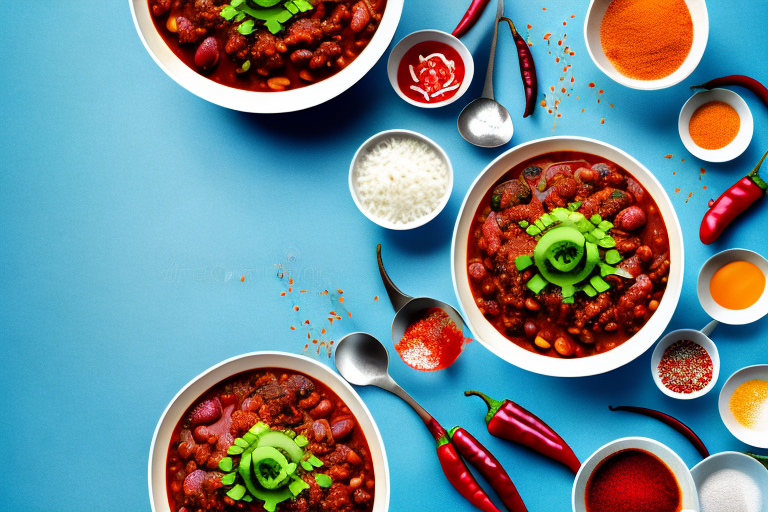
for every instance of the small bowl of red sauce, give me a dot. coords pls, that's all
(634, 473)
(430, 68)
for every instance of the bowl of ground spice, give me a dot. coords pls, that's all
(646, 44)
(685, 364)
(716, 125)
(743, 405)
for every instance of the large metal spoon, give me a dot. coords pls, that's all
(485, 122)
(363, 361)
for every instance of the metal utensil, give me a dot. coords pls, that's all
(409, 309)
(363, 361)
(485, 122)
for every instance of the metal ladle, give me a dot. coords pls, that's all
(409, 309)
(485, 122)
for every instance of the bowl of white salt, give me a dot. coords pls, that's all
(731, 482)
(400, 179)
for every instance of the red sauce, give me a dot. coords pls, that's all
(432, 73)
(432, 342)
(632, 481)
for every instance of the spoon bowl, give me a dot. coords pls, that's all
(361, 359)
(485, 123)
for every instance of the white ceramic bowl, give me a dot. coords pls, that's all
(158, 451)
(264, 102)
(751, 437)
(366, 146)
(697, 337)
(731, 316)
(737, 146)
(671, 459)
(593, 20)
(737, 462)
(412, 40)
(487, 334)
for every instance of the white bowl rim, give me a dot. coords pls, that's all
(270, 102)
(338, 380)
(585, 366)
(731, 316)
(421, 220)
(441, 37)
(733, 149)
(717, 460)
(638, 443)
(701, 339)
(661, 83)
(743, 434)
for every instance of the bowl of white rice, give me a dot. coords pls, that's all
(400, 179)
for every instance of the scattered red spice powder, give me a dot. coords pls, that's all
(282, 294)
(530, 26)
(667, 156)
(591, 84)
(547, 35)
(376, 298)
(677, 190)
(582, 111)
(602, 120)
(242, 278)
(431, 342)
(685, 367)
(573, 15)
(690, 194)
(295, 308)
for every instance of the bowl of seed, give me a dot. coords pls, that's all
(685, 364)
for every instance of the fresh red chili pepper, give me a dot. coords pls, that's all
(527, 69)
(489, 467)
(507, 420)
(672, 422)
(456, 470)
(473, 14)
(731, 203)
(739, 80)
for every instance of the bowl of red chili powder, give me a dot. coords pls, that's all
(646, 44)
(634, 474)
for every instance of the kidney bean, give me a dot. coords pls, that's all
(360, 17)
(278, 83)
(201, 434)
(586, 337)
(477, 271)
(630, 219)
(611, 326)
(488, 287)
(542, 343)
(191, 467)
(639, 311)
(530, 329)
(321, 430)
(206, 412)
(653, 305)
(532, 304)
(307, 76)
(203, 452)
(176, 486)
(341, 428)
(563, 347)
(492, 307)
(322, 409)
(301, 56)
(207, 54)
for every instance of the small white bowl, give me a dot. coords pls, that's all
(698, 337)
(737, 146)
(735, 461)
(673, 461)
(387, 134)
(731, 316)
(420, 36)
(594, 19)
(751, 437)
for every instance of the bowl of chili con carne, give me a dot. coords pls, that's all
(301, 412)
(619, 227)
(266, 56)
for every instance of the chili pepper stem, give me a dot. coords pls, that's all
(493, 405)
(755, 174)
(511, 25)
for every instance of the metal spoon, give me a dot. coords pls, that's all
(363, 361)
(409, 309)
(485, 122)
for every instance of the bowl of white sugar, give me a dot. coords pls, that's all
(400, 179)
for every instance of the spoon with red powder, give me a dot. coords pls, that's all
(427, 333)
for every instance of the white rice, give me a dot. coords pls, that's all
(401, 180)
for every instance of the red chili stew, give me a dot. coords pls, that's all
(568, 255)
(245, 45)
(332, 471)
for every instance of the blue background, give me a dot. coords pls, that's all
(129, 208)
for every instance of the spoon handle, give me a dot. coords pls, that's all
(390, 385)
(488, 86)
(396, 297)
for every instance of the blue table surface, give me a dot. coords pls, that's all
(130, 209)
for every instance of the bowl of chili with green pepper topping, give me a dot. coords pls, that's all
(567, 257)
(272, 430)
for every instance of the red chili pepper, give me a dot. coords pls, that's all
(473, 14)
(731, 203)
(489, 467)
(507, 420)
(457, 472)
(739, 80)
(527, 69)
(672, 422)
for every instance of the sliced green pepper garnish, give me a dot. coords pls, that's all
(536, 284)
(523, 261)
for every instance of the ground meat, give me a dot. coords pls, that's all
(333, 24)
(659, 268)
(636, 264)
(242, 421)
(625, 243)
(323, 53)
(208, 14)
(236, 45)
(188, 31)
(267, 52)
(608, 175)
(561, 193)
(491, 234)
(592, 308)
(301, 56)
(159, 7)
(361, 497)
(527, 212)
(337, 498)
(606, 203)
(304, 31)
(635, 295)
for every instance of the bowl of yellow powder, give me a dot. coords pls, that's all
(743, 405)
(646, 44)
(716, 125)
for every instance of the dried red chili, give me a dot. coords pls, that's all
(470, 17)
(748, 83)
(507, 420)
(732, 203)
(672, 422)
(527, 69)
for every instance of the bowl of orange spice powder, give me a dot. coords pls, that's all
(716, 125)
(646, 44)
(743, 405)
